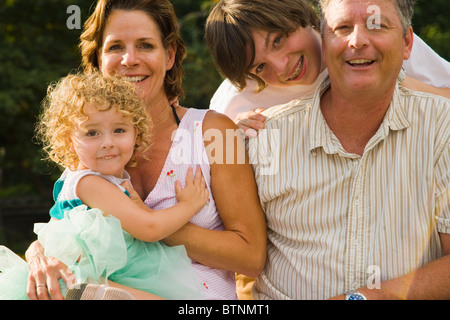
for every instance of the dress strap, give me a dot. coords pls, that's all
(177, 119)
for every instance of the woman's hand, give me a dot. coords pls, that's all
(44, 275)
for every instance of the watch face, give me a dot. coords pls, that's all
(356, 296)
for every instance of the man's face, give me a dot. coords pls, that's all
(364, 45)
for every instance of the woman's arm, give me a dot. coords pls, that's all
(241, 247)
(142, 222)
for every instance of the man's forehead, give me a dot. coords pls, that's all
(358, 3)
(346, 9)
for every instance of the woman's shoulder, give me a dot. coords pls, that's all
(210, 119)
(216, 120)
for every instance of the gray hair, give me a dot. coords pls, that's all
(405, 9)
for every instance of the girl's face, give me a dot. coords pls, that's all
(132, 47)
(286, 59)
(105, 142)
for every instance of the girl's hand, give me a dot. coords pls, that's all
(195, 192)
(250, 122)
(44, 275)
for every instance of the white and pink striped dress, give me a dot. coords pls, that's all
(188, 150)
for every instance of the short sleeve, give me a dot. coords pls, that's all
(442, 194)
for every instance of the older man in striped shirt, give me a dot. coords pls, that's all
(355, 180)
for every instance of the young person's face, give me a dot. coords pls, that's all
(362, 55)
(132, 47)
(105, 142)
(286, 59)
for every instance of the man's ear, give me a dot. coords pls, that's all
(409, 40)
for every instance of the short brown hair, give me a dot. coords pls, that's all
(161, 12)
(229, 26)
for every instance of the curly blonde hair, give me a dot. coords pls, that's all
(64, 105)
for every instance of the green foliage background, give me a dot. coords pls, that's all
(36, 48)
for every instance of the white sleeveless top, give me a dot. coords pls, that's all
(188, 150)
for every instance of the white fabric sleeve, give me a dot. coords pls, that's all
(427, 66)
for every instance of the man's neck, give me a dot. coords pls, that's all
(354, 117)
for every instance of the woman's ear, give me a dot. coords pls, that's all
(171, 52)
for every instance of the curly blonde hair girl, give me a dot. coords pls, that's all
(63, 107)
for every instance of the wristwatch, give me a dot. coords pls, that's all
(355, 295)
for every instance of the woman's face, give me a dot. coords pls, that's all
(286, 59)
(132, 47)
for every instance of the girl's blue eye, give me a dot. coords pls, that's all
(259, 68)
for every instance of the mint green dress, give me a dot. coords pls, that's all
(95, 248)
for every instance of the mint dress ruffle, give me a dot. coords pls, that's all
(95, 248)
(13, 276)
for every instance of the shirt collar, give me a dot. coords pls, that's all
(322, 136)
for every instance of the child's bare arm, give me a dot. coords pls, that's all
(140, 221)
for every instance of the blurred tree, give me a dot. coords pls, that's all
(201, 78)
(36, 48)
(431, 22)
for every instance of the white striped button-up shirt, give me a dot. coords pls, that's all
(339, 221)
